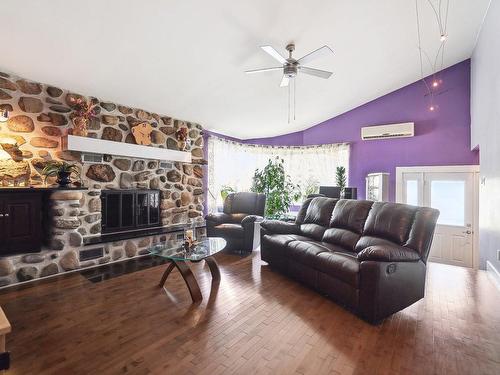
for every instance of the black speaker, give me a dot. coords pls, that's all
(330, 191)
(350, 193)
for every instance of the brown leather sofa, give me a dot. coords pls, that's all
(237, 221)
(369, 256)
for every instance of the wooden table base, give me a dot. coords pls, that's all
(187, 275)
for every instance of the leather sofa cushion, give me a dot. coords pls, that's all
(340, 265)
(314, 231)
(230, 230)
(281, 240)
(304, 252)
(341, 237)
(391, 221)
(279, 227)
(366, 241)
(422, 231)
(388, 254)
(301, 215)
(350, 215)
(319, 211)
(244, 203)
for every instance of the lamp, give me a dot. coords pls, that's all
(4, 115)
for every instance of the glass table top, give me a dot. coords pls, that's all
(174, 250)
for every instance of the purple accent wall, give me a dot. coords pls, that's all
(441, 137)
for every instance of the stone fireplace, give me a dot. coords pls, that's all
(172, 192)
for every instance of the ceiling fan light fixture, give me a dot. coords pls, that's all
(291, 67)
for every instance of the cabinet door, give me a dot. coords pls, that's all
(22, 223)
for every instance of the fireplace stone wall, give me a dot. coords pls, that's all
(39, 115)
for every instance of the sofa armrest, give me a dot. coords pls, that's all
(250, 219)
(217, 218)
(388, 254)
(280, 227)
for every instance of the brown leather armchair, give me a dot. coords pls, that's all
(237, 221)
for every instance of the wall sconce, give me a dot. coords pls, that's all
(4, 115)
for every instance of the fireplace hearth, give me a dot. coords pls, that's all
(129, 210)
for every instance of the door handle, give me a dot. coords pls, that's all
(467, 232)
(1, 215)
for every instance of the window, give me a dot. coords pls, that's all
(233, 164)
(449, 198)
(412, 192)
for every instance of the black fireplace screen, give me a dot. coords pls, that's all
(129, 210)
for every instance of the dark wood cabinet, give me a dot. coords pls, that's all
(20, 222)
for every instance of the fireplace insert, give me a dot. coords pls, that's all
(125, 210)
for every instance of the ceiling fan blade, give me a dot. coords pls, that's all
(275, 54)
(315, 72)
(320, 52)
(284, 81)
(263, 70)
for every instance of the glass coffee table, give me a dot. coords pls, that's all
(178, 256)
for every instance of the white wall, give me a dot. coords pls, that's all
(485, 131)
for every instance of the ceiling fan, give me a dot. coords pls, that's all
(291, 67)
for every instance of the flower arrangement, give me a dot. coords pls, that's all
(84, 111)
(84, 108)
(182, 140)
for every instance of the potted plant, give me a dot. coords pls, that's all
(62, 170)
(277, 185)
(225, 190)
(312, 187)
(341, 179)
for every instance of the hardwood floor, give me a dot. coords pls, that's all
(256, 322)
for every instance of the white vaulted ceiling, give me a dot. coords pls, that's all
(186, 58)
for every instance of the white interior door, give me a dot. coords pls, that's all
(454, 195)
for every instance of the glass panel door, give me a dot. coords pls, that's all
(452, 193)
(413, 192)
(127, 210)
(154, 207)
(142, 209)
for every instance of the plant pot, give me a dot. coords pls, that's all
(80, 126)
(64, 178)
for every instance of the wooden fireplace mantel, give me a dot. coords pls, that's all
(102, 146)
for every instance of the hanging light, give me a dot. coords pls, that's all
(436, 63)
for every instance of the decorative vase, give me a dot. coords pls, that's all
(63, 178)
(80, 126)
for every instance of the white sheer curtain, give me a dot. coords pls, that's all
(233, 164)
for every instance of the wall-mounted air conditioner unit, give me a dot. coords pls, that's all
(388, 131)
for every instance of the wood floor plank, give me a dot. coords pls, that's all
(255, 321)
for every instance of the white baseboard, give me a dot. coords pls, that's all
(493, 274)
